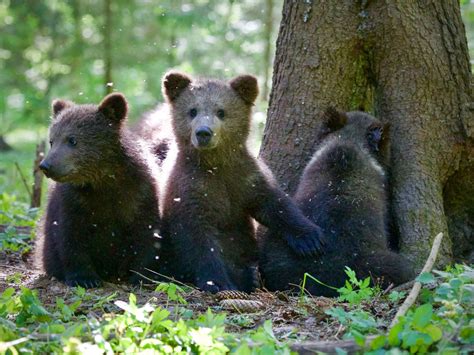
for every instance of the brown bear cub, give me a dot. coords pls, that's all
(102, 219)
(155, 129)
(344, 191)
(215, 188)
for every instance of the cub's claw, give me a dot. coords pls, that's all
(307, 244)
(86, 281)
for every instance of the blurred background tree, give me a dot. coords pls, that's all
(81, 49)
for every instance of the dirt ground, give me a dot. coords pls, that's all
(292, 318)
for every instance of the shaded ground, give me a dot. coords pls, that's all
(293, 318)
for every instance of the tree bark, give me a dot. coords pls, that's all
(406, 62)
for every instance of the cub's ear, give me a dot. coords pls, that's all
(58, 105)
(174, 83)
(378, 137)
(333, 119)
(246, 87)
(114, 107)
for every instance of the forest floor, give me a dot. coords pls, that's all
(298, 323)
(294, 318)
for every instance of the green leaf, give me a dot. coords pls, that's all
(394, 335)
(365, 283)
(426, 278)
(455, 283)
(422, 316)
(378, 342)
(434, 332)
(358, 337)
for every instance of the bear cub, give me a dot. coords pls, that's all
(102, 219)
(215, 187)
(343, 190)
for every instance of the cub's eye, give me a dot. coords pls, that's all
(72, 141)
(50, 143)
(193, 112)
(220, 114)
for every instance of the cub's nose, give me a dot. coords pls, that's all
(44, 166)
(203, 135)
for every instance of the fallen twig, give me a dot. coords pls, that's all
(310, 347)
(24, 180)
(410, 300)
(37, 176)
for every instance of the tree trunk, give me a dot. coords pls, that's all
(108, 46)
(405, 61)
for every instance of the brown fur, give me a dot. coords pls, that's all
(215, 188)
(102, 217)
(344, 190)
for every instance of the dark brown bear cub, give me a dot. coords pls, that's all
(102, 219)
(344, 190)
(215, 187)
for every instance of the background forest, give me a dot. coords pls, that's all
(82, 49)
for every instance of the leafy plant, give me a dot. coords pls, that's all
(444, 323)
(358, 322)
(16, 214)
(24, 323)
(355, 291)
(173, 292)
(396, 296)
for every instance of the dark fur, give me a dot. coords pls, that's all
(213, 192)
(102, 217)
(344, 190)
(155, 128)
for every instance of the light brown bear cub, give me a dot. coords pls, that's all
(215, 188)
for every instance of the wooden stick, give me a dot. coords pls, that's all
(310, 347)
(23, 179)
(410, 300)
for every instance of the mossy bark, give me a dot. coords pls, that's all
(405, 61)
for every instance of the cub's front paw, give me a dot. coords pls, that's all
(83, 280)
(307, 244)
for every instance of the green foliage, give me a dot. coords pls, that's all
(307, 276)
(442, 325)
(24, 323)
(15, 214)
(355, 291)
(172, 291)
(358, 322)
(54, 48)
(396, 296)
